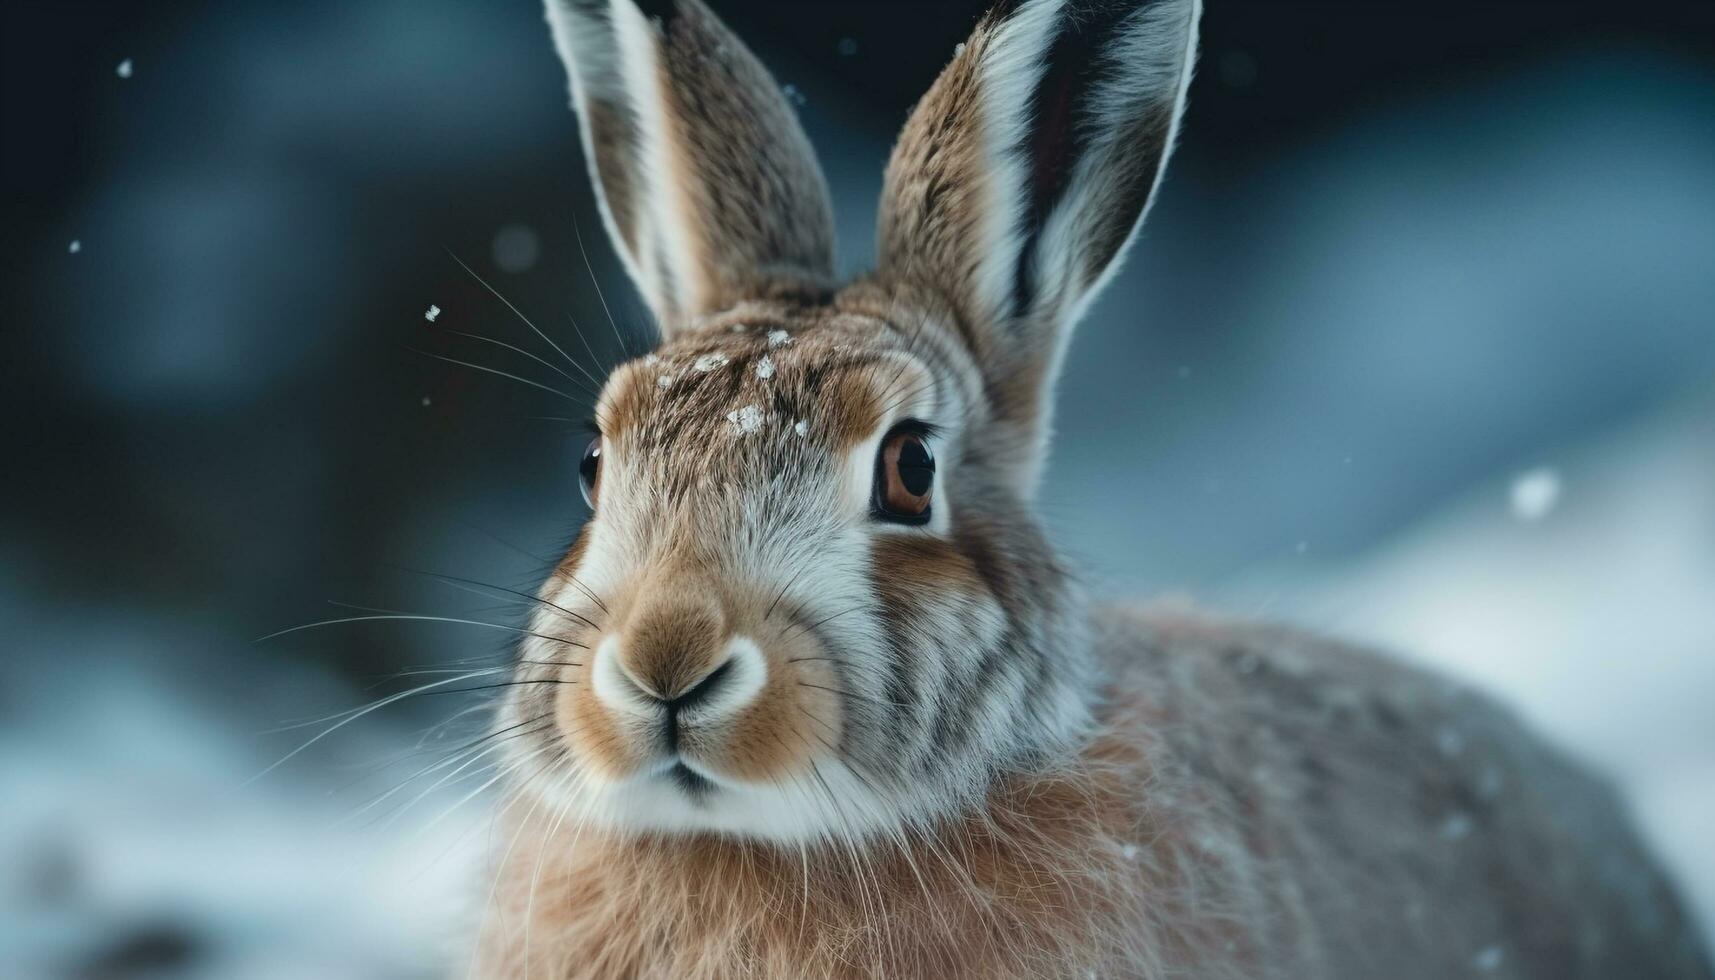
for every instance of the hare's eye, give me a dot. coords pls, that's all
(904, 476)
(589, 471)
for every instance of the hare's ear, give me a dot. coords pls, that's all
(708, 186)
(1023, 174)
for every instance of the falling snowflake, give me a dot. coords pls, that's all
(1488, 959)
(1456, 827)
(432, 312)
(425, 401)
(75, 247)
(765, 367)
(800, 427)
(793, 95)
(1450, 742)
(746, 419)
(708, 362)
(1534, 494)
(123, 69)
(778, 338)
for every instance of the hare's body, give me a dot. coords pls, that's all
(812, 693)
(1256, 803)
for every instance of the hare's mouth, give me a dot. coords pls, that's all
(693, 784)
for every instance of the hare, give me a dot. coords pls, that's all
(812, 694)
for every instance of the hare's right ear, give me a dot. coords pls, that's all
(1023, 174)
(708, 186)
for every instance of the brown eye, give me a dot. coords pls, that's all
(589, 471)
(904, 476)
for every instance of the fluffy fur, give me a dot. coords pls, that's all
(758, 729)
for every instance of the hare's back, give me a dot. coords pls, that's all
(1379, 820)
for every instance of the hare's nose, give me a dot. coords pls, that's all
(672, 640)
(676, 701)
(675, 653)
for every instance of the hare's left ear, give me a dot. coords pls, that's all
(708, 186)
(1023, 174)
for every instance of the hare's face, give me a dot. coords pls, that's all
(811, 602)
(804, 605)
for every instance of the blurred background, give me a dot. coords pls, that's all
(1418, 347)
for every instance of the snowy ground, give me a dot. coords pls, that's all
(132, 846)
(1593, 614)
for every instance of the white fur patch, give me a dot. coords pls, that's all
(746, 420)
(708, 362)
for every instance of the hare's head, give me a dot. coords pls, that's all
(812, 600)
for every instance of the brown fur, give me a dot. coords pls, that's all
(1244, 812)
(1049, 792)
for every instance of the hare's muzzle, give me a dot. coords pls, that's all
(679, 676)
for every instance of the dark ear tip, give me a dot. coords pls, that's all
(662, 10)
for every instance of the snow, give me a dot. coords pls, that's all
(1449, 741)
(75, 247)
(1456, 827)
(747, 419)
(123, 828)
(432, 312)
(666, 380)
(425, 401)
(1594, 626)
(765, 367)
(1534, 494)
(778, 338)
(123, 69)
(708, 362)
(1488, 959)
(800, 427)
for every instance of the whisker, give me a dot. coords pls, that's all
(382, 703)
(491, 687)
(550, 341)
(504, 374)
(519, 350)
(820, 622)
(411, 617)
(457, 580)
(594, 359)
(578, 233)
